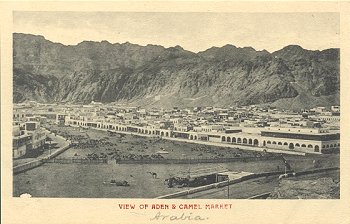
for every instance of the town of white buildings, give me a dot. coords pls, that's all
(311, 131)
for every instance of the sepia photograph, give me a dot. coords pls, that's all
(176, 105)
(175, 112)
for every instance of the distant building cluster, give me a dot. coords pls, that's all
(311, 131)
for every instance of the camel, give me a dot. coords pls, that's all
(117, 183)
(154, 175)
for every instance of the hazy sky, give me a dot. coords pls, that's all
(192, 31)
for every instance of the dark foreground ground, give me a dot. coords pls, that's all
(87, 180)
(326, 186)
(280, 189)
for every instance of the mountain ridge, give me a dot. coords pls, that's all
(135, 74)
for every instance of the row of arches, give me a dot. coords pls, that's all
(330, 118)
(193, 137)
(246, 141)
(138, 130)
(149, 132)
(153, 132)
(166, 134)
(292, 145)
(331, 145)
(80, 123)
(120, 128)
(117, 128)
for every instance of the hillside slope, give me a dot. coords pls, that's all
(164, 77)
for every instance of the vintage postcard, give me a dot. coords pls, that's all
(175, 112)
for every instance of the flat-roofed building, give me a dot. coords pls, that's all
(20, 140)
(19, 145)
(310, 140)
(212, 128)
(61, 119)
(37, 134)
(335, 108)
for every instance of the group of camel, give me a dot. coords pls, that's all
(125, 183)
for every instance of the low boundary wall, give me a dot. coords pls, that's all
(261, 196)
(195, 161)
(76, 160)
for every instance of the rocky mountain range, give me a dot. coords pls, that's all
(155, 76)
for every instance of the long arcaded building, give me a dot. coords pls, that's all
(309, 140)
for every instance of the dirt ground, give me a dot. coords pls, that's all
(124, 146)
(84, 180)
(87, 180)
